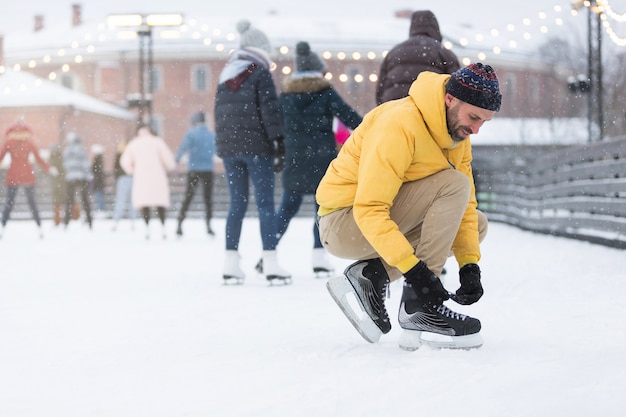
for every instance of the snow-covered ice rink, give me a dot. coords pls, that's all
(103, 323)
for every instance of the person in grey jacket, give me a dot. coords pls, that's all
(199, 145)
(77, 176)
(422, 51)
(249, 139)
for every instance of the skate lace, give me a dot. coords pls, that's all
(445, 311)
(384, 292)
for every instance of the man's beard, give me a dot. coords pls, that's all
(457, 131)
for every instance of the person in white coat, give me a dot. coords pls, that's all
(149, 160)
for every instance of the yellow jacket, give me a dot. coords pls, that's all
(399, 141)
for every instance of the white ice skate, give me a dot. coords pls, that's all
(321, 264)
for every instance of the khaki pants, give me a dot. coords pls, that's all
(428, 212)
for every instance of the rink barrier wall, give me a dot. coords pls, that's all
(177, 190)
(572, 191)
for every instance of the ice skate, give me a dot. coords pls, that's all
(367, 283)
(437, 327)
(321, 264)
(273, 272)
(232, 272)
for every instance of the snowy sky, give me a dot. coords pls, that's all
(478, 13)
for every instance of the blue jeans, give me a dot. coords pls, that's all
(98, 196)
(240, 170)
(123, 189)
(289, 206)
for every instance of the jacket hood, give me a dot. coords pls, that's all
(19, 130)
(428, 93)
(305, 82)
(240, 60)
(424, 22)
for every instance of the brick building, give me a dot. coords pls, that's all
(179, 67)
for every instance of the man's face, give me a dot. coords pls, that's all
(464, 119)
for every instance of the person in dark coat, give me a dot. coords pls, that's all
(422, 51)
(57, 183)
(309, 103)
(249, 139)
(99, 177)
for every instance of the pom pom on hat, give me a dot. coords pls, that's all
(476, 84)
(307, 60)
(252, 37)
(18, 130)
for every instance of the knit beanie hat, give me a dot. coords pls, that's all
(307, 60)
(251, 36)
(476, 84)
(18, 130)
(198, 118)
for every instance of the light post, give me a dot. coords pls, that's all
(595, 110)
(143, 24)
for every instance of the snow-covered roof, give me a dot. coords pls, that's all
(532, 131)
(22, 89)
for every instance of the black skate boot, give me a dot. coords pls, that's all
(368, 281)
(453, 330)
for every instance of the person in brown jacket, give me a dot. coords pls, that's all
(422, 51)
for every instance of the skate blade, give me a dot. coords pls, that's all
(279, 281)
(232, 280)
(339, 288)
(320, 272)
(412, 340)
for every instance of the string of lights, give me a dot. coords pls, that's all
(606, 13)
(512, 38)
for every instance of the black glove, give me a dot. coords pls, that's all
(471, 290)
(279, 155)
(427, 286)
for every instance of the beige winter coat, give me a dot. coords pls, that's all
(148, 159)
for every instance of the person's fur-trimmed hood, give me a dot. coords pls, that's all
(305, 83)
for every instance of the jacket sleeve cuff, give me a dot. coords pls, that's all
(469, 259)
(407, 263)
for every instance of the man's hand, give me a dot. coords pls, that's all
(427, 285)
(471, 289)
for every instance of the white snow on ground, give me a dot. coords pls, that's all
(102, 323)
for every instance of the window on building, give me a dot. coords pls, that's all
(509, 84)
(534, 90)
(200, 78)
(67, 81)
(155, 79)
(355, 81)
